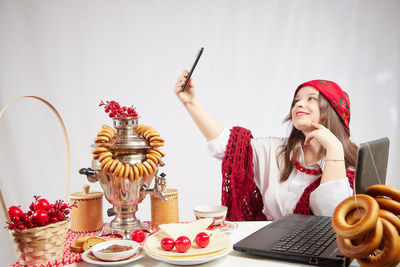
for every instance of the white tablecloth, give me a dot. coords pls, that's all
(233, 259)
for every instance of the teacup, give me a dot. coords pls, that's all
(215, 212)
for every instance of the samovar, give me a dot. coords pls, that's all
(125, 195)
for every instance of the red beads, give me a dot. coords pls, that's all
(305, 170)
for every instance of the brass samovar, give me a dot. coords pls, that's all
(125, 195)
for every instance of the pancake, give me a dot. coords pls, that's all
(191, 229)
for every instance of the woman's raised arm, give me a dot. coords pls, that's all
(207, 125)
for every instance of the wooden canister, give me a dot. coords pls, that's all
(87, 216)
(165, 211)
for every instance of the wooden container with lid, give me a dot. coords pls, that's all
(165, 211)
(87, 216)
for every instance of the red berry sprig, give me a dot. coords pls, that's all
(115, 110)
(41, 213)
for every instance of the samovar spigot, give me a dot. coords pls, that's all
(158, 190)
(91, 174)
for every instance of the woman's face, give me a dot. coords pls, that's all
(306, 109)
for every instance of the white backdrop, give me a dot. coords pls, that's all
(76, 53)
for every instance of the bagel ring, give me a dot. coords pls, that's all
(152, 164)
(368, 244)
(103, 144)
(107, 166)
(113, 165)
(140, 168)
(159, 151)
(383, 190)
(145, 170)
(153, 158)
(366, 223)
(126, 172)
(104, 162)
(393, 219)
(99, 150)
(148, 167)
(135, 171)
(390, 252)
(117, 168)
(131, 174)
(389, 205)
(105, 155)
(121, 171)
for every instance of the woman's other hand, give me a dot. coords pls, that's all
(334, 158)
(325, 137)
(189, 94)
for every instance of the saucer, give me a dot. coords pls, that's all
(226, 227)
(90, 258)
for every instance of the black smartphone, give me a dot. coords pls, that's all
(192, 69)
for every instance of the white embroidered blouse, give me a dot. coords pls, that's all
(279, 198)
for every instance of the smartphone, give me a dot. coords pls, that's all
(192, 69)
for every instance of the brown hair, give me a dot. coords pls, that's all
(330, 120)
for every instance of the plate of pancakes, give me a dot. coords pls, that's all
(220, 244)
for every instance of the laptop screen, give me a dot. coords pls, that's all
(371, 165)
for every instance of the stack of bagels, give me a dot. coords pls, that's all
(367, 226)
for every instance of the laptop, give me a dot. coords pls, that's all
(310, 239)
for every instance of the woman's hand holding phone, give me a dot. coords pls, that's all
(207, 125)
(188, 95)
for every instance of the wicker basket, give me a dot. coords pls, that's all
(41, 244)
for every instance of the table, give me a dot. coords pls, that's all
(232, 259)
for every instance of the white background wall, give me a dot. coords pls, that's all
(76, 53)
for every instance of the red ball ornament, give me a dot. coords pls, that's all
(40, 217)
(41, 204)
(15, 211)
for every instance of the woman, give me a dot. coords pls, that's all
(310, 172)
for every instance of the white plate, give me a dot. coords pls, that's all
(94, 260)
(188, 261)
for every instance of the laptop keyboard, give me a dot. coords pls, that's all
(311, 238)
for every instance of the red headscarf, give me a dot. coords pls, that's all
(338, 98)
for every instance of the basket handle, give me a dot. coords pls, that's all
(66, 143)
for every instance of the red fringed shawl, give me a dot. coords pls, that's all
(239, 191)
